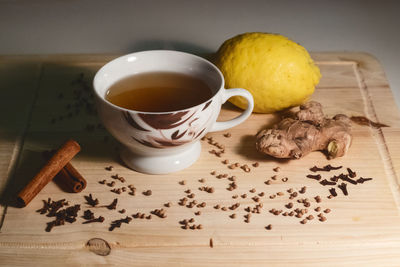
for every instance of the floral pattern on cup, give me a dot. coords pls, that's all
(165, 130)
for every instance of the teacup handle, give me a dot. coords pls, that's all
(223, 125)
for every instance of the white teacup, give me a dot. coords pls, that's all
(164, 142)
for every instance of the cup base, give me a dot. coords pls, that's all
(161, 164)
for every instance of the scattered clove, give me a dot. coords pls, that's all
(343, 187)
(117, 223)
(346, 178)
(92, 202)
(333, 192)
(315, 177)
(326, 168)
(113, 205)
(109, 168)
(326, 182)
(99, 219)
(361, 180)
(88, 215)
(352, 174)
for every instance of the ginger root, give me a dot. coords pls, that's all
(309, 131)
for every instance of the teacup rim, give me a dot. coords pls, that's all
(102, 98)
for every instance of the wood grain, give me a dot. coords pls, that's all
(362, 229)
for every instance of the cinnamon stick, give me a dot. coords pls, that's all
(68, 178)
(61, 158)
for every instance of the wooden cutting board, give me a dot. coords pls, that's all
(41, 106)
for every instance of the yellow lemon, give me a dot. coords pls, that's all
(278, 72)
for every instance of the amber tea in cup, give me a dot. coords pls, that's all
(159, 92)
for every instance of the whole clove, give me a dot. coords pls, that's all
(315, 177)
(46, 206)
(117, 223)
(333, 191)
(334, 178)
(326, 168)
(51, 224)
(326, 182)
(361, 180)
(352, 174)
(109, 168)
(346, 178)
(99, 219)
(113, 205)
(88, 215)
(343, 187)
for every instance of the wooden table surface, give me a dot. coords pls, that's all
(45, 102)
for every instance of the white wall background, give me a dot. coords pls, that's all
(111, 26)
